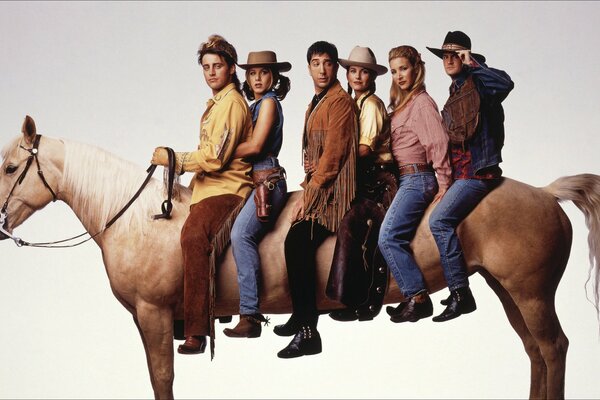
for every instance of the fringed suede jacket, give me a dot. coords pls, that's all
(329, 143)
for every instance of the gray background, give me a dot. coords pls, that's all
(123, 76)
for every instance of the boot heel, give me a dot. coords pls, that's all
(318, 348)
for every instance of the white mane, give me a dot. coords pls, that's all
(102, 183)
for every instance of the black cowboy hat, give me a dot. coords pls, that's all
(456, 40)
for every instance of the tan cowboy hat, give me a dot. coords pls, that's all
(363, 57)
(454, 41)
(265, 58)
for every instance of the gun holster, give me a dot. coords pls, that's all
(265, 181)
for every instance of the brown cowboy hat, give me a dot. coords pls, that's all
(265, 58)
(454, 41)
(363, 57)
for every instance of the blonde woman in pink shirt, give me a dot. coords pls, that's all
(420, 148)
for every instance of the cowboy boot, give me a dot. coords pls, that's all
(307, 341)
(419, 306)
(462, 302)
(395, 311)
(248, 327)
(192, 345)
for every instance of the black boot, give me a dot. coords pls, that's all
(344, 315)
(307, 341)
(462, 302)
(418, 306)
(290, 328)
(395, 311)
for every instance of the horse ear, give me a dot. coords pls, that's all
(28, 129)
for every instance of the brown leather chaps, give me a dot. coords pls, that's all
(358, 275)
(205, 234)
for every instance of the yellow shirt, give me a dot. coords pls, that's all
(225, 123)
(374, 126)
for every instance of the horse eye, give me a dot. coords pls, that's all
(11, 169)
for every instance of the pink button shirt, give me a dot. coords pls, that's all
(418, 136)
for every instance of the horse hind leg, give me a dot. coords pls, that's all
(541, 319)
(535, 300)
(156, 328)
(537, 387)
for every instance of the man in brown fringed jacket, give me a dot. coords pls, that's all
(328, 144)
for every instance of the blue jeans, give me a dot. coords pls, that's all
(415, 193)
(460, 199)
(247, 233)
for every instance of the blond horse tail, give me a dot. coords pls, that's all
(584, 191)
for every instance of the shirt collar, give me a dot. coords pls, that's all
(458, 81)
(362, 96)
(223, 92)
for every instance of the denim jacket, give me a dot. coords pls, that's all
(493, 86)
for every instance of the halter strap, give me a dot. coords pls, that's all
(33, 152)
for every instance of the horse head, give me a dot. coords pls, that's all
(30, 176)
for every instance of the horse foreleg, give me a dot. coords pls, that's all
(537, 387)
(156, 327)
(137, 324)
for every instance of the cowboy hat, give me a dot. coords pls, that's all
(265, 58)
(454, 41)
(363, 57)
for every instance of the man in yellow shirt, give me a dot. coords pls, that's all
(220, 186)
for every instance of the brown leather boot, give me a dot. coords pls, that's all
(248, 327)
(192, 345)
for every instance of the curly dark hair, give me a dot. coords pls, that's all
(322, 47)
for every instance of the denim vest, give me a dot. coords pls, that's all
(268, 157)
(493, 86)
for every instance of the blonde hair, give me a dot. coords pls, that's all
(398, 97)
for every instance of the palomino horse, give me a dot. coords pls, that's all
(518, 238)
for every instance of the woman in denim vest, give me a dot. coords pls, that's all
(420, 148)
(265, 85)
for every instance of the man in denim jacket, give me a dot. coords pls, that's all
(475, 164)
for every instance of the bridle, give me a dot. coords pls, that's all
(33, 155)
(33, 152)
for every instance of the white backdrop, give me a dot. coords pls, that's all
(124, 76)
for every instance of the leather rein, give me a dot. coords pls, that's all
(167, 205)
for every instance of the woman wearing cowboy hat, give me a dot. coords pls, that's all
(420, 148)
(267, 87)
(476, 140)
(351, 276)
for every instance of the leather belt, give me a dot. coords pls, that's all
(414, 168)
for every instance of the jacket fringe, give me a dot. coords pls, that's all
(219, 243)
(328, 205)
